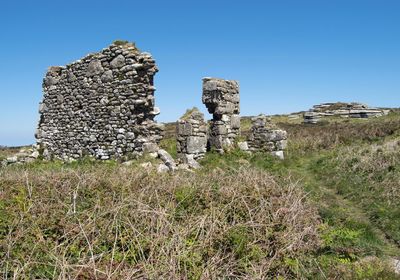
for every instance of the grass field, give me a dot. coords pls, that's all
(330, 210)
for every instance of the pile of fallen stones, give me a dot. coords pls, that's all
(25, 155)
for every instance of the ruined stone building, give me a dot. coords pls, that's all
(101, 105)
(266, 137)
(221, 98)
(191, 136)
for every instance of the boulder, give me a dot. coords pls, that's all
(167, 159)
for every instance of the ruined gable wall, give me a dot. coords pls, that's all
(101, 105)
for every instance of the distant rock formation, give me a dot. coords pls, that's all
(344, 110)
(311, 117)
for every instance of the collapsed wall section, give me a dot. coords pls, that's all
(101, 105)
(221, 98)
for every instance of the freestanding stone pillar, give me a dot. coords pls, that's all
(267, 138)
(221, 98)
(191, 137)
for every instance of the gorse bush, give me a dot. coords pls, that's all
(119, 222)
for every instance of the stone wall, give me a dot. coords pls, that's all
(191, 137)
(101, 105)
(221, 98)
(265, 137)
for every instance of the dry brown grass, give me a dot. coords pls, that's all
(8, 152)
(117, 222)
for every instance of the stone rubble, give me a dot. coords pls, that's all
(26, 155)
(162, 168)
(191, 131)
(221, 98)
(167, 159)
(101, 105)
(264, 137)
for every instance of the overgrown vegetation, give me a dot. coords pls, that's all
(111, 221)
(330, 210)
(8, 151)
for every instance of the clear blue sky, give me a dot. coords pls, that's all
(287, 55)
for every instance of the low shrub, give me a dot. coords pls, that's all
(108, 220)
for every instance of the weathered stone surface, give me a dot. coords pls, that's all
(265, 137)
(26, 155)
(107, 76)
(191, 137)
(100, 106)
(311, 118)
(396, 265)
(94, 68)
(244, 146)
(118, 62)
(150, 147)
(35, 154)
(196, 144)
(167, 159)
(146, 165)
(344, 110)
(162, 168)
(191, 162)
(221, 98)
(12, 159)
(278, 154)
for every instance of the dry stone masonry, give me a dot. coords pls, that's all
(101, 105)
(191, 137)
(221, 98)
(265, 137)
